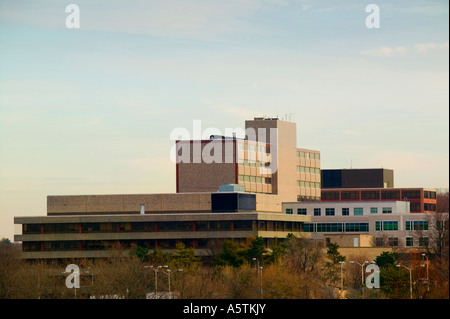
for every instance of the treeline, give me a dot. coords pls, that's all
(296, 269)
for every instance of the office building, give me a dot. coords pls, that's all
(422, 200)
(91, 226)
(357, 178)
(363, 223)
(267, 161)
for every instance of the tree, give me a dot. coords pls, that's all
(184, 258)
(386, 259)
(231, 254)
(140, 252)
(256, 250)
(333, 267)
(277, 251)
(334, 254)
(393, 280)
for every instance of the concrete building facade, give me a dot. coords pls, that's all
(267, 161)
(92, 226)
(387, 223)
(422, 200)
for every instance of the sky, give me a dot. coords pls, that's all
(90, 110)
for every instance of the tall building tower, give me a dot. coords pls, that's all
(266, 161)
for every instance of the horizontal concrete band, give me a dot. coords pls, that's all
(161, 218)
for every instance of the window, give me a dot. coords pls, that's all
(329, 227)
(31, 228)
(386, 225)
(317, 212)
(317, 156)
(379, 242)
(301, 211)
(415, 207)
(416, 225)
(408, 225)
(330, 195)
(345, 211)
(387, 210)
(244, 225)
(423, 241)
(308, 227)
(302, 154)
(289, 211)
(358, 211)
(357, 227)
(385, 194)
(329, 211)
(393, 241)
(378, 225)
(241, 178)
(374, 210)
(246, 178)
(390, 225)
(409, 241)
(350, 195)
(407, 194)
(370, 195)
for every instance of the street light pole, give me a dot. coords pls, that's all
(428, 282)
(410, 280)
(259, 269)
(362, 269)
(155, 269)
(342, 278)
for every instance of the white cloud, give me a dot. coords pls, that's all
(385, 51)
(399, 50)
(426, 47)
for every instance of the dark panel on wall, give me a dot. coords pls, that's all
(232, 202)
(331, 178)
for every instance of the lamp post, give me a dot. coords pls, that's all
(362, 269)
(169, 273)
(428, 283)
(342, 278)
(410, 280)
(260, 270)
(155, 269)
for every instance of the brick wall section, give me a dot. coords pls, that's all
(120, 204)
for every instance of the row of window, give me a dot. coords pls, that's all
(429, 194)
(253, 163)
(253, 148)
(336, 227)
(237, 225)
(363, 227)
(308, 155)
(380, 194)
(311, 170)
(357, 211)
(393, 241)
(308, 184)
(255, 179)
(302, 198)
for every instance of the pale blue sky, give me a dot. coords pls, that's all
(90, 111)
